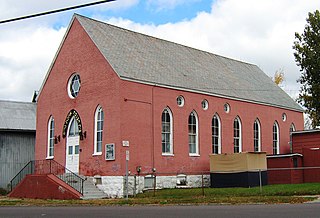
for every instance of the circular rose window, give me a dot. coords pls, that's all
(74, 85)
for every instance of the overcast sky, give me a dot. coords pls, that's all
(255, 31)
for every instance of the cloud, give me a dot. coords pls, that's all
(167, 4)
(259, 32)
(25, 56)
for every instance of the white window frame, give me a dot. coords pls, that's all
(70, 86)
(196, 135)
(291, 129)
(95, 145)
(239, 137)
(205, 104)
(171, 132)
(226, 108)
(111, 147)
(219, 134)
(259, 136)
(275, 140)
(50, 142)
(180, 101)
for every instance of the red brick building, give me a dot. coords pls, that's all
(109, 90)
(307, 143)
(303, 165)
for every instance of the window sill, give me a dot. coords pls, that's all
(167, 155)
(111, 159)
(97, 154)
(194, 155)
(49, 158)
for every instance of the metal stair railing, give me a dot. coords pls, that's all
(43, 167)
(27, 169)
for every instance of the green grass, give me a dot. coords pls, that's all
(271, 194)
(270, 190)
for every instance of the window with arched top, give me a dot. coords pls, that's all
(99, 118)
(193, 134)
(275, 144)
(50, 144)
(216, 134)
(73, 127)
(237, 135)
(256, 136)
(167, 131)
(291, 129)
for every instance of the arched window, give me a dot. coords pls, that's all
(275, 138)
(256, 136)
(99, 117)
(193, 134)
(292, 129)
(216, 135)
(167, 131)
(50, 145)
(237, 135)
(73, 127)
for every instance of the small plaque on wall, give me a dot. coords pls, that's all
(125, 143)
(110, 152)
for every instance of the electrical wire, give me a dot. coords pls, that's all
(54, 11)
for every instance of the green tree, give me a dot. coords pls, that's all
(307, 56)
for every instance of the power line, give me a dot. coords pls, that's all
(54, 11)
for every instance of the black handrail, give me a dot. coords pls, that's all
(43, 167)
(27, 169)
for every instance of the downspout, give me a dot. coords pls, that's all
(153, 131)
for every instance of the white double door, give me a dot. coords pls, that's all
(72, 154)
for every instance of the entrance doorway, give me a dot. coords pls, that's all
(72, 146)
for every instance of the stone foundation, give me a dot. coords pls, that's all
(115, 186)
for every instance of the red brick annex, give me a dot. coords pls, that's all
(303, 165)
(109, 90)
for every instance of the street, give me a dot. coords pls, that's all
(278, 210)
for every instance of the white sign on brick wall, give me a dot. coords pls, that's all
(125, 143)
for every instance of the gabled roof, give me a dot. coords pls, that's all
(145, 59)
(18, 116)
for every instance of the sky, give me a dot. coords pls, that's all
(260, 32)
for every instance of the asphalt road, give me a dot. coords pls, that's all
(269, 211)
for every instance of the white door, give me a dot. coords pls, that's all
(72, 147)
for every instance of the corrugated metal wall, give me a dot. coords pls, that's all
(16, 150)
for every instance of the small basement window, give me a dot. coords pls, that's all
(97, 180)
(181, 180)
(148, 181)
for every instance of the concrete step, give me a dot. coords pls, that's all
(90, 190)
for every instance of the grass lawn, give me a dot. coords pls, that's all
(271, 194)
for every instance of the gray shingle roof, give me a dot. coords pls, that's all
(143, 58)
(19, 116)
